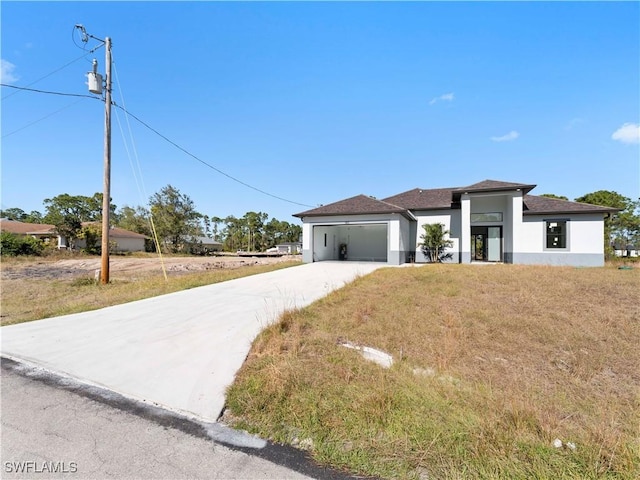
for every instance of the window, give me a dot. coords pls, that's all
(556, 234)
(486, 217)
(325, 239)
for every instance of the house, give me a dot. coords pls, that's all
(490, 221)
(289, 248)
(203, 245)
(626, 249)
(41, 231)
(123, 240)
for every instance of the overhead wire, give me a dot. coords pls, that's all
(139, 184)
(53, 72)
(208, 164)
(49, 92)
(168, 140)
(43, 118)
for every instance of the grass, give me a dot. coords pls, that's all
(492, 364)
(29, 299)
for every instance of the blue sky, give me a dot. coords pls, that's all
(317, 102)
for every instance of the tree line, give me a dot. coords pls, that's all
(171, 213)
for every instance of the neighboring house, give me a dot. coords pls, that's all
(626, 250)
(40, 231)
(490, 221)
(123, 240)
(204, 244)
(291, 248)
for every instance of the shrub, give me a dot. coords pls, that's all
(13, 245)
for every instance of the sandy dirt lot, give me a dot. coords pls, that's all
(126, 266)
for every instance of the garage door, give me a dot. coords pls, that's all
(365, 242)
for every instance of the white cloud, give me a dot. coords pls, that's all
(446, 97)
(6, 72)
(627, 133)
(512, 135)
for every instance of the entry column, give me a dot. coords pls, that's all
(465, 228)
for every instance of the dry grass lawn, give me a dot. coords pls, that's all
(492, 364)
(36, 288)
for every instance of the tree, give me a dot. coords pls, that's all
(67, 212)
(174, 216)
(623, 226)
(16, 214)
(553, 195)
(434, 242)
(134, 219)
(80, 207)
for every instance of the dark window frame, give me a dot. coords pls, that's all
(560, 235)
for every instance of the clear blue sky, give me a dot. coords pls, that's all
(317, 102)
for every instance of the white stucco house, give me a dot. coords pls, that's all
(490, 221)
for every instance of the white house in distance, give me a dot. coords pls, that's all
(490, 221)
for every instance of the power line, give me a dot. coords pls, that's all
(208, 164)
(49, 92)
(195, 157)
(43, 118)
(55, 71)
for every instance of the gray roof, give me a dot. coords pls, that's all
(419, 199)
(535, 205)
(358, 205)
(449, 198)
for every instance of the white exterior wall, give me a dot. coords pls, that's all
(123, 244)
(585, 241)
(450, 220)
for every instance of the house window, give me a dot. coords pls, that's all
(486, 217)
(325, 239)
(556, 233)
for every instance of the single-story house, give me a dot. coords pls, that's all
(490, 221)
(626, 249)
(290, 248)
(124, 240)
(40, 231)
(203, 244)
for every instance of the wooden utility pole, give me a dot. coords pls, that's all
(106, 195)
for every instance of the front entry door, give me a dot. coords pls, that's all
(486, 244)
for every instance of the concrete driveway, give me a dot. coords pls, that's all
(178, 351)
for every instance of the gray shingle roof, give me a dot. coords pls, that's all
(534, 205)
(495, 185)
(419, 199)
(358, 205)
(449, 198)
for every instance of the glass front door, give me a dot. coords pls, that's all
(486, 244)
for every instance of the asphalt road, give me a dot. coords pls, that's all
(54, 427)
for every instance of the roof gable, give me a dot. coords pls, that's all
(358, 205)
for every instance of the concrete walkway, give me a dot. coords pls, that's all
(178, 351)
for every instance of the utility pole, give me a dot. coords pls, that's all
(106, 194)
(95, 86)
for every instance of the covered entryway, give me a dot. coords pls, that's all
(486, 244)
(364, 242)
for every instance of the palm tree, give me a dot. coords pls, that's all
(434, 242)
